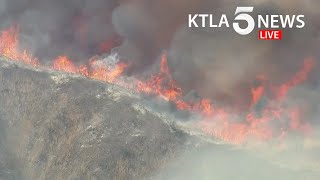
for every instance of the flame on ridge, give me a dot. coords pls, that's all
(217, 121)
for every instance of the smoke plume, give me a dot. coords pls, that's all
(217, 64)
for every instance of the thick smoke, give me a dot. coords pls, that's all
(223, 65)
(216, 63)
(52, 28)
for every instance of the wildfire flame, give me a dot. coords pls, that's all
(297, 79)
(62, 63)
(9, 47)
(161, 84)
(220, 122)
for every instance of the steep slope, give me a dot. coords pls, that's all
(58, 126)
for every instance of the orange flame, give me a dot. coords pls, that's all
(161, 84)
(62, 63)
(101, 72)
(300, 77)
(257, 93)
(220, 122)
(9, 47)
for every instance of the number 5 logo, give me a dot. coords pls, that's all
(242, 15)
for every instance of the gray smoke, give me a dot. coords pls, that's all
(216, 63)
(223, 64)
(51, 28)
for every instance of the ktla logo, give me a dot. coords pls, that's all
(242, 14)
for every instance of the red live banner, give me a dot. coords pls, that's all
(270, 34)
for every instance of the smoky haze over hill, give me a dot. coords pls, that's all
(82, 134)
(219, 65)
